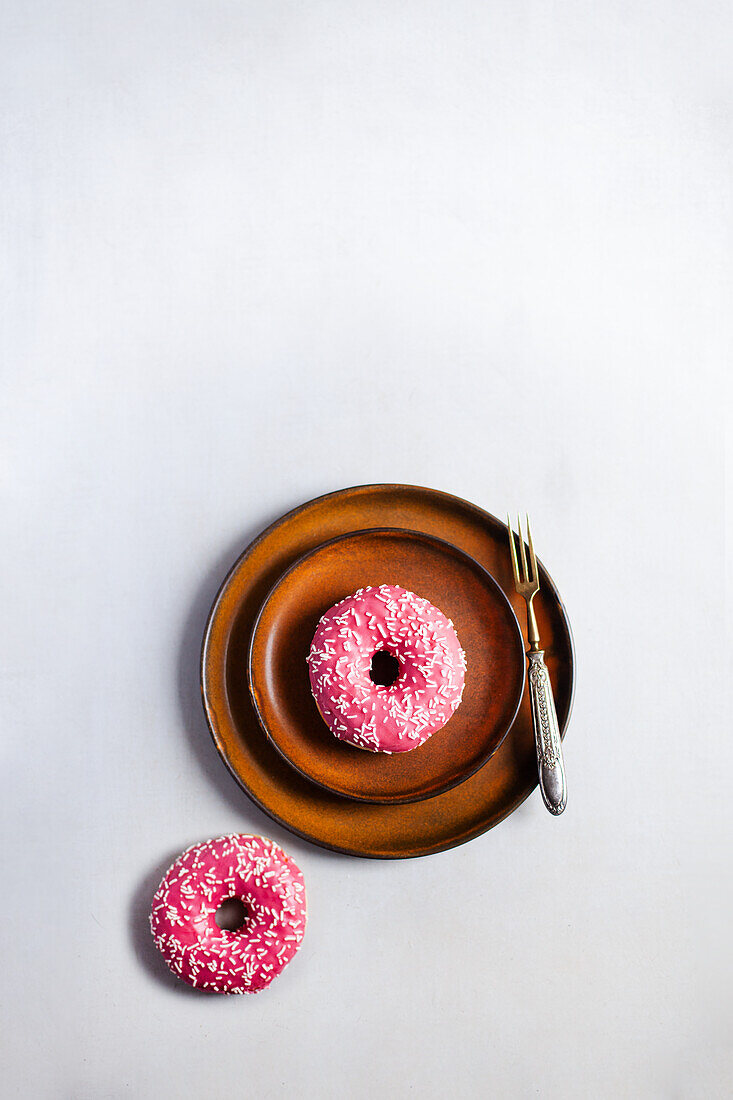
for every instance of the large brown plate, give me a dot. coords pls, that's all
(487, 628)
(362, 828)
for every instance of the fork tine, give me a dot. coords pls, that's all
(532, 558)
(521, 550)
(515, 563)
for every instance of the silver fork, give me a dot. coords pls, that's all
(544, 718)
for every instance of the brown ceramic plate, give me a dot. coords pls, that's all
(488, 631)
(367, 828)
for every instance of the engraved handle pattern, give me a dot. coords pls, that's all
(546, 734)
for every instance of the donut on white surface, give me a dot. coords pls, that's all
(183, 914)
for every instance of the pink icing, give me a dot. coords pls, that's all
(431, 676)
(272, 889)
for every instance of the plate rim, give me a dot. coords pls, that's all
(425, 537)
(449, 498)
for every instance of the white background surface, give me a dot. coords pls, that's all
(256, 252)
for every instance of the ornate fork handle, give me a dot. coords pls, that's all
(546, 734)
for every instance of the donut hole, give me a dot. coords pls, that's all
(231, 915)
(385, 668)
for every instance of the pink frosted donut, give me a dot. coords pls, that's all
(429, 668)
(182, 918)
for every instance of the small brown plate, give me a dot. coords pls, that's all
(402, 829)
(451, 580)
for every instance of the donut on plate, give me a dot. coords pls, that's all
(183, 914)
(386, 669)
